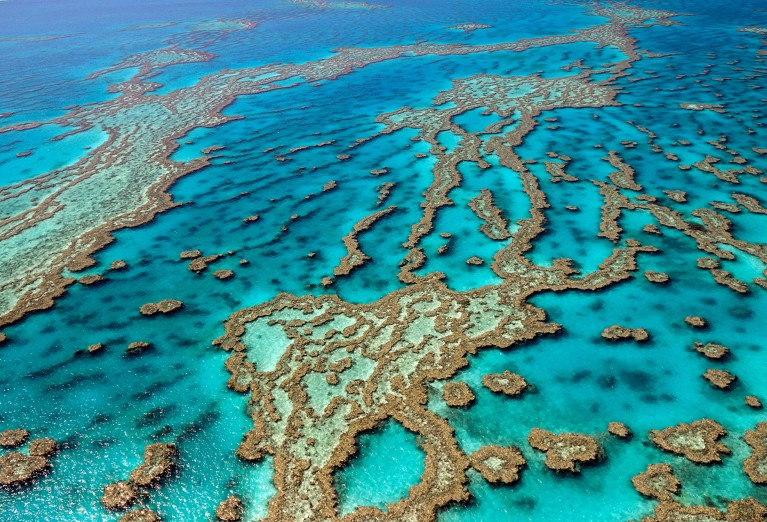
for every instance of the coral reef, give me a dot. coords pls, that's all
(619, 333)
(712, 350)
(457, 394)
(17, 469)
(13, 438)
(119, 495)
(721, 379)
(747, 510)
(141, 515)
(222, 275)
(498, 464)
(159, 462)
(695, 321)
(755, 466)
(230, 510)
(509, 383)
(698, 441)
(165, 306)
(658, 482)
(619, 429)
(565, 451)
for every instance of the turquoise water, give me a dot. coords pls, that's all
(104, 408)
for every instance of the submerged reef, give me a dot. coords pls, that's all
(657, 482)
(230, 510)
(508, 383)
(18, 469)
(697, 441)
(165, 306)
(457, 394)
(755, 466)
(319, 371)
(498, 463)
(565, 451)
(159, 462)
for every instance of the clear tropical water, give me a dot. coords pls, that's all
(104, 409)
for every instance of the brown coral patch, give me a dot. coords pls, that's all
(138, 346)
(511, 384)
(230, 510)
(656, 277)
(44, 447)
(457, 394)
(747, 510)
(721, 379)
(753, 402)
(696, 321)
(118, 264)
(119, 495)
(13, 438)
(190, 254)
(698, 441)
(141, 515)
(90, 279)
(755, 466)
(495, 226)
(657, 482)
(712, 350)
(199, 264)
(619, 333)
(651, 229)
(159, 461)
(565, 451)
(498, 464)
(223, 275)
(165, 306)
(17, 469)
(619, 429)
(678, 196)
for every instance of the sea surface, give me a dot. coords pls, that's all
(275, 158)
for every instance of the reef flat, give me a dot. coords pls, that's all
(325, 260)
